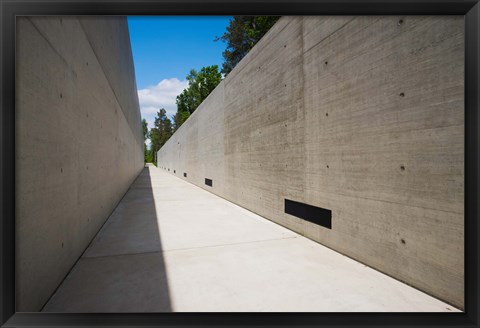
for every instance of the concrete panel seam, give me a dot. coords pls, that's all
(86, 248)
(48, 41)
(316, 44)
(106, 78)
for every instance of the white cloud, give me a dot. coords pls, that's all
(150, 110)
(161, 95)
(158, 96)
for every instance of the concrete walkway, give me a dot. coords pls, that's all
(171, 246)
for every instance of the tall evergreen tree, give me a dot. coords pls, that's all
(145, 137)
(161, 131)
(179, 118)
(242, 34)
(145, 129)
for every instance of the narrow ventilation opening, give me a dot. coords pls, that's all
(185, 174)
(310, 213)
(209, 182)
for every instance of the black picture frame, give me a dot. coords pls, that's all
(9, 9)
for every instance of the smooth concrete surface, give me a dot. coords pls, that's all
(171, 246)
(79, 142)
(361, 115)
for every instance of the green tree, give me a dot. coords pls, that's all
(145, 137)
(149, 155)
(179, 118)
(242, 34)
(161, 131)
(200, 84)
(145, 129)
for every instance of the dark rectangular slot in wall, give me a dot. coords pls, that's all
(317, 215)
(208, 182)
(174, 171)
(184, 174)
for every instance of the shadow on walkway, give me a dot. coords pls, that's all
(123, 269)
(171, 246)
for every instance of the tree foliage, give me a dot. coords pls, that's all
(145, 129)
(200, 84)
(161, 131)
(145, 137)
(242, 34)
(149, 158)
(179, 118)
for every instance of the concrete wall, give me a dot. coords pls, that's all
(360, 115)
(79, 142)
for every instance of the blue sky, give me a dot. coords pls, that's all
(164, 49)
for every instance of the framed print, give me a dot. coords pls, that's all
(335, 151)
